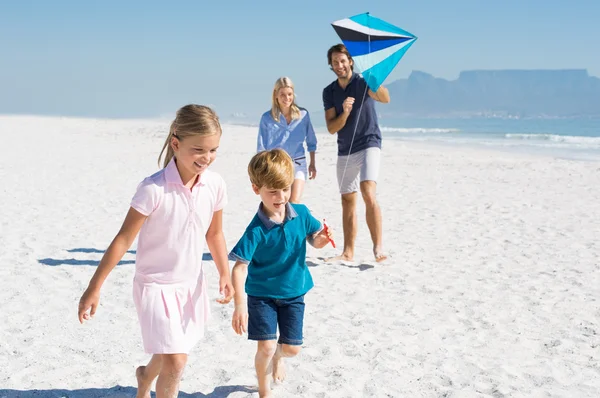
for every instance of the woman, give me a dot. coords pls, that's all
(288, 126)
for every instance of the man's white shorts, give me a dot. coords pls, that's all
(358, 167)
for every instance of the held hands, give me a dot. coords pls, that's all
(89, 301)
(239, 321)
(226, 290)
(347, 105)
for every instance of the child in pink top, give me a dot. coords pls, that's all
(176, 211)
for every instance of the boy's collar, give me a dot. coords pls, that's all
(289, 214)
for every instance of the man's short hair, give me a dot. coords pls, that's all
(339, 48)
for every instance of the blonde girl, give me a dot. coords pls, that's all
(174, 211)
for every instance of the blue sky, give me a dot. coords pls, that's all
(134, 58)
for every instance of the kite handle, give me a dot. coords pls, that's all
(326, 228)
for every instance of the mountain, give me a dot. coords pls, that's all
(497, 93)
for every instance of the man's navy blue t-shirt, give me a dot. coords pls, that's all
(367, 132)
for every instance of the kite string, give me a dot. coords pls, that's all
(357, 119)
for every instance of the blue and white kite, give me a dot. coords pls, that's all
(375, 45)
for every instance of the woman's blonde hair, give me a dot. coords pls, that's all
(190, 120)
(272, 169)
(283, 82)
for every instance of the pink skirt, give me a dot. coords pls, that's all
(172, 316)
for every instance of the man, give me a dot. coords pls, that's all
(359, 147)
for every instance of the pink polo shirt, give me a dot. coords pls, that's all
(171, 241)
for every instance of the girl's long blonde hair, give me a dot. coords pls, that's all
(283, 82)
(190, 120)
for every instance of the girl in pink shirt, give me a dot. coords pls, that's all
(175, 211)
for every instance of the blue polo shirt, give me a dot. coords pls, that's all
(276, 253)
(368, 133)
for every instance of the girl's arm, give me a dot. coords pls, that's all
(215, 239)
(115, 252)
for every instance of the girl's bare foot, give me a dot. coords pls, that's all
(144, 383)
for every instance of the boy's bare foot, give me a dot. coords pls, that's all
(341, 257)
(278, 369)
(266, 393)
(144, 384)
(379, 255)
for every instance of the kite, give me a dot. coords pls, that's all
(375, 45)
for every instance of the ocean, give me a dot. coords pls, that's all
(565, 138)
(568, 138)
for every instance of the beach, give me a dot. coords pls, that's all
(492, 288)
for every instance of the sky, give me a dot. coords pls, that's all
(133, 58)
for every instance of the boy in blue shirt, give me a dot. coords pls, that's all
(271, 265)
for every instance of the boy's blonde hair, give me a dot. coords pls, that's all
(283, 82)
(190, 120)
(271, 169)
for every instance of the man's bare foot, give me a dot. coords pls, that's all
(341, 257)
(379, 255)
(144, 385)
(278, 369)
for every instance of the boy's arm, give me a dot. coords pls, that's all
(238, 276)
(239, 321)
(242, 253)
(321, 235)
(320, 239)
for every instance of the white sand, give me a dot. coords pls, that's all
(493, 289)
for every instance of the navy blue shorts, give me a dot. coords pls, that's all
(265, 314)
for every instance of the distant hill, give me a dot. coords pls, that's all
(497, 93)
